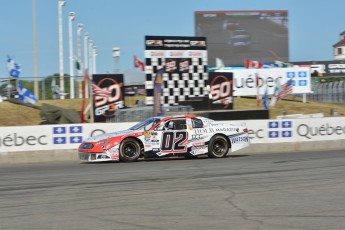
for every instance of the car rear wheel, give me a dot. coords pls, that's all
(129, 150)
(218, 147)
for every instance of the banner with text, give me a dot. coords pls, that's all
(220, 90)
(108, 95)
(244, 80)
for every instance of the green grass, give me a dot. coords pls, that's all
(17, 115)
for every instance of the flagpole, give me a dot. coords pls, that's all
(80, 71)
(62, 83)
(86, 59)
(257, 80)
(71, 69)
(36, 88)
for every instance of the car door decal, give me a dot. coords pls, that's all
(174, 141)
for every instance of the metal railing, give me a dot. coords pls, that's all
(45, 86)
(332, 92)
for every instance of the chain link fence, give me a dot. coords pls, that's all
(48, 87)
(331, 92)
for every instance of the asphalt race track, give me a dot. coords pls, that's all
(264, 191)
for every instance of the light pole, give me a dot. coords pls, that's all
(116, 55)
(62, 83)
(90, 57)
(35, 49)
(71, 17)
(86, 61)
(80, 73)
(94, 54)
(86, 42)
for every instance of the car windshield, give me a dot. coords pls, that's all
(146, 124)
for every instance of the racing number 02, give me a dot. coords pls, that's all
(174, 141)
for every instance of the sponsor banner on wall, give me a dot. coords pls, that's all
(296, 130)
(50, 137)
(55, 137)
(244, 80)
(324, 68)
(220, 90)
(108, 95)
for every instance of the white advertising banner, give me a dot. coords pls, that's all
(51, 137)
(245, 81)
(296, 130)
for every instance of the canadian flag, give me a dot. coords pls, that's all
(253, 64)
(139, 63)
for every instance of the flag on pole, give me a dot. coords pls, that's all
(266, 65)
(77, 65)
(83, 102)
(265, 99)
(56, 90)
(281, 92)
(249, 64)
(139, 63)
(257, 85)
(25, 95)
(219, 63)
(276, 90)
(281, 64)
(13, 68)
(286, 90)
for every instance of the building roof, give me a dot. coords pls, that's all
(340, 43)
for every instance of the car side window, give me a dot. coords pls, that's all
(197, 123)
(161, 126)
(180, 124)
(175, 124)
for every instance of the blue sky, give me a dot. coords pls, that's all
(314, 27)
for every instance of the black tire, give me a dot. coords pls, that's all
(129, 150)
(218, 147)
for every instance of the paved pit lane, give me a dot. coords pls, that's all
(265, 191)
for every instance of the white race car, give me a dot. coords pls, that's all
(157, 137)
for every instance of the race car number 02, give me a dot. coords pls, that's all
(174, 141)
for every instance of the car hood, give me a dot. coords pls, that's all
(110, 135)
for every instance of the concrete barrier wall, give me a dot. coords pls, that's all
(60, 142)
(72, 155)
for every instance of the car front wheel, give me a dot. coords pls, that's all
(218, 147)
(129, 150)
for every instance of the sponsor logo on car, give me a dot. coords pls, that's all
(235, 140)
(197, 137)
(198, 144)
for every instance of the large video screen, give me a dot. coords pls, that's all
(234, 36)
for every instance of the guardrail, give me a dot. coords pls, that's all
(60, 142)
